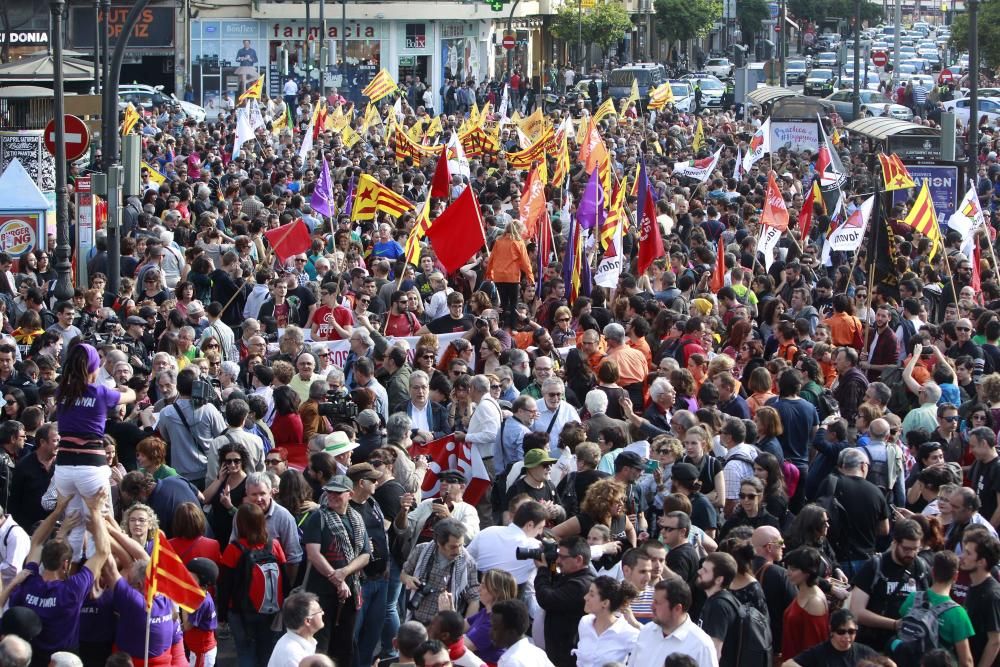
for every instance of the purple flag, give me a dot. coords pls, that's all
(349, 200)
(322, 196)
(590, 212)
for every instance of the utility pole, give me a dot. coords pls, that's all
(856, 101)
(510, 31)
(579, 32)
(64, 280)
(896, 43)
(307, 47)
(320, 42)
(973, 6)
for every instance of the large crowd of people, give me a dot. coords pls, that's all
(711, 463)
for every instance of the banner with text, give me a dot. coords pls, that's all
(794, 137)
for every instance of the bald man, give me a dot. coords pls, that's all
(779, 592)
(15, 651)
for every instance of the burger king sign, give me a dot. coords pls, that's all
(18, 235)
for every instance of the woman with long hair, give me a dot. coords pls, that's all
(507, 264)
(759, 386)
(563, 333)
(767, 469)
(496, 586)
(769, 427)
(152, 288)
(140, 522)
(810, 529)
(750, 510)
(82, 407)
(608, 375)
(685, 481)
(251, 630)
(16, 402)
(228, 489)
(739, 333)
(287, 427)
(744, 586)
(697, 443)
(603, 505)
(296, 496)
(605, 634)
(806, 621)
(184, 293)
(489, 354)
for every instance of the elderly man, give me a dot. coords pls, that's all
(364, 377)
(661, 403)
(438, 304)
(885, 462)
(429, 419)
(362, 345)
(925, 415)
(397, 378)
(632, 366)
(554, 413)
(442, 565)
(542, 371)
(596, 403)
(281, 524)
(482, 433)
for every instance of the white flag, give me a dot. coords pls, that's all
(760, 143)
(767, 242)
(256, 117)
(847, 237)
(505, 102)
(738, 167)
(610, 268)
(457, 162)
(700, 170)
(966, 219)
(244, 130)
(398, 108)
(307, 140)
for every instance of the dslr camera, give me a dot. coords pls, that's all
(549, 550)
(338, 408)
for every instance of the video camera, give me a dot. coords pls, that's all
(338, 408)
(549, 550)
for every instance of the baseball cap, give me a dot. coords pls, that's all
(452, 476)
(367, 419)
(684, 472)
(339, 484)
(536, 457)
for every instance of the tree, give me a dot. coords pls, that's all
(603, 25)
(989, 33)
(751, 13)
(680, 20)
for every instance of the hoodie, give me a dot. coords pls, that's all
(256, 299)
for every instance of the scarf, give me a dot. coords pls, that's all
(459, 569)
(351, 536)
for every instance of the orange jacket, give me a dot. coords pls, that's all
(508, 260)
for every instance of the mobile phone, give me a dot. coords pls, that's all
(652, 466)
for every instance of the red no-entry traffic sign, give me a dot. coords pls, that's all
(946, 76)
(508, 42)
(77, 137)
(880, 58)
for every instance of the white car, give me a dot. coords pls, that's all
(147, 97)
(683, 95)
(719, 67)
(711, 90)
(988, 106)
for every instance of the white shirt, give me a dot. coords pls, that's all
(290, 650)
(291, 88)
(14, 547)
(438, 305)
(524, 654)
(614, 645)
(484, 426)
(652, 648)
(563, 415)
(494, 548)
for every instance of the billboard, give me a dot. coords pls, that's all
(943, 183)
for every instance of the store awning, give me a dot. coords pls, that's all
(41, 68)
(767, 94)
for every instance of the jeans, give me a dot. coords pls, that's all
(336, 639)
(851, 567)
(394, 609)
(253, 637)
(79, 482)
(370, 620)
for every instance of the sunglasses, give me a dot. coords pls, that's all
(748, 496)
(375, 463)
(846, 631)
(274, 462)
(234, 461)
(427, 356)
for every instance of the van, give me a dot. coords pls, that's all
(648, 75)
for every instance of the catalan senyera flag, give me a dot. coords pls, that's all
(894, 173)
(405, 147)
(699, 138)
(154, 175)
(380, 86)
(530, 155)
(923, 218)
(616, 215)
(562, 162)
(419, 231)
(167, 575)
(606, 109)
(253, 91)
(131, 118)
(660, 97)
(372, 196)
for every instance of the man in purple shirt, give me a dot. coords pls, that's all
(52, 593)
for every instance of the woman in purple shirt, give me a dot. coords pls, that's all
(82, 406)
(496, 586)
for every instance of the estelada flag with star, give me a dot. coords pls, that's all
(894, 173)
(253, 91)
(372, 197)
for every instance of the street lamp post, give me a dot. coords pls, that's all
(856, 99)
(64, 281)
(973, 89)
(579, 31)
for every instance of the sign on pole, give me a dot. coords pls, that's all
(76, 137)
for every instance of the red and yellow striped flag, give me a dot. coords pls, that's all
(894, 173)
(923, 218)
(419, 231)
(372, 196)
(167, 575)
(380, 86)
(616, 214)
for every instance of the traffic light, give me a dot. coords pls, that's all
(739, 55)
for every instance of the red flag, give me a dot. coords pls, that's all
(289, 240)
(446, 454)
(650, 241)
(806, 214)
(442, 179)
(775, 213)
(167, 575)
(718, 280)
(457, 234)
(977, 279)
(532, 204)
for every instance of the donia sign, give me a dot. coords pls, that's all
(17, 233)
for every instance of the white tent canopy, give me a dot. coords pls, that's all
(18, 192)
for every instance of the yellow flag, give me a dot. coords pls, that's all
(154, 175)
(606, 109)
(699, 138)
(485, 114)
(533, 125)
(660, 97)
(474, 115)
(349, 136)
(633, 96)
(253, 91)
(420, 227)
(416, 132)
(435, 127)
(131, 118)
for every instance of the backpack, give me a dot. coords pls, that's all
(755, 644)
(901, 400)
(878, 471)
(792, 475)
(918, 633)
(837, 514)
(261, 566)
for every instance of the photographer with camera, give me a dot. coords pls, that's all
(188, 426)
(561, 594)
(511, 548)
(420, 523)
(134, 343)
(439, 568)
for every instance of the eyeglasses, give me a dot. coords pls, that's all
(962, 329)
(555, 394)
(364, 300)
(427, 356)
(846, 631)
(779, 543)
(299, 260)
(562, 319)
(979, 418)
(748, 496)
(494, 387)
(213, 364)
(375, 463)
(950, 419)
(274, 462)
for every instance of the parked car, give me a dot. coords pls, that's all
(146, 97)
(820, 82)
(711, 89)
(719, 67)
(683, 95)
(986, 106)
(795, 71)
(873, 103)
(649, 75)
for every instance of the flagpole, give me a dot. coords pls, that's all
(951, 277)
(149, 623)
(993, 253)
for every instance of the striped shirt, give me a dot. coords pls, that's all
(642, 605)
